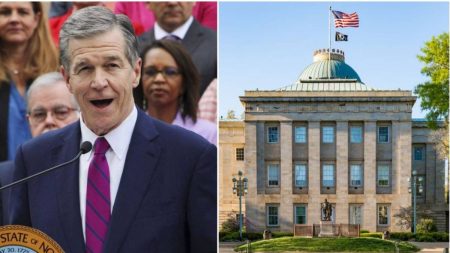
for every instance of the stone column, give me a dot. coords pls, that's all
(401, 168)
(342, 211)
(286, 207)
(396, 156)
(314, 172)
(370, 202)
(250, 154)
(430, 157)
(440, 181)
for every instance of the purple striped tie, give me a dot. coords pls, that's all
(98, 203)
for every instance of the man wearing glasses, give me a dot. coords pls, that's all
(50, 106)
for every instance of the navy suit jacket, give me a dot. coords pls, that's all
(201, 43)
(6, 176)
(166, 200)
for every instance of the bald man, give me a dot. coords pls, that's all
(50, 106)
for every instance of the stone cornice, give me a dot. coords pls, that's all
(250, 99)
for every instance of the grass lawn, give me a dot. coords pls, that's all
(329, 245)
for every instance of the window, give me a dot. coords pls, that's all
(355, 214)
(327, 134)
(355, 175)
(300, 175)
(272, 215)
(273, 174)
(383, 215)
(383, 134)
(418, 153)
(420, 191)
(355, 134)
(328, 175)
(300, 134)
(383, 175)
(300, 214)
(272, 134)
(239, 154)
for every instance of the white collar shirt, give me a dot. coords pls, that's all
(180, 32)
(119, 140)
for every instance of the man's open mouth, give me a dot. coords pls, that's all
(101, 103)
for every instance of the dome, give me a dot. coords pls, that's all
(319, 69)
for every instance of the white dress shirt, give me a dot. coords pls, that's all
(119, 140)
(180, 32)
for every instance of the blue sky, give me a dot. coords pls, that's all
(266, 45)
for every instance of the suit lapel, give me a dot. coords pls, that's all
(141, 162)
(193, 37)
(67, 183)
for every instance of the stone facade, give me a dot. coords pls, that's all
(331, 138)
(231, 139)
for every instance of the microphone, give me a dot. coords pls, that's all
(84, 148)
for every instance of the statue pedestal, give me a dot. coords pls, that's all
(326, 229)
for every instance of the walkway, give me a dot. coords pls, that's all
(227, 247)
(432, 247)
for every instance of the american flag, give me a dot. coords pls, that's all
(345, 20)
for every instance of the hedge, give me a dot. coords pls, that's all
(234, 236)
(421, 237)
(373, 235)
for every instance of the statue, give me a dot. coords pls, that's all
(327, 211)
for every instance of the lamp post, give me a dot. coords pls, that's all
(414, 188)
(240, 189)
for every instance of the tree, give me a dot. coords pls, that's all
(231, 115)
(404, 218)
(434, 92)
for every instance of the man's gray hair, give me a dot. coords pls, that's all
(48, 80)
(92, 21)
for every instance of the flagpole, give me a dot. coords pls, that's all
(329, 46)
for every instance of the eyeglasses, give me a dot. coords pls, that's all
(59, 112)
(167, 72)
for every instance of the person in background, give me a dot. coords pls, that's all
(174, 21)
(57, 22)
(207, 105)
(206, 14)
(50, 106)
(146, 186)
(169, 85)
(26, 51)
(143, 19)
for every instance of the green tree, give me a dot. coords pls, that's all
(434, 92)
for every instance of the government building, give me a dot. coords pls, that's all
(330, 136)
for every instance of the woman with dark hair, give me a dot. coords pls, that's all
(26, 51)
(169, 87)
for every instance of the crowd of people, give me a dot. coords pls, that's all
(138, 81)
(29, 42)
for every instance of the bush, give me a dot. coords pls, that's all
(424, 238)
(402, 236)
(426, 225)
(364, 231)
(230, 225)
(432, 237)
(281, 234)
(234, 236)
(372, 235)
(254, 236)
(440, 236)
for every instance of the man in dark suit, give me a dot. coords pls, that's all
(174, 21)
(48, 93)
(145, 187)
